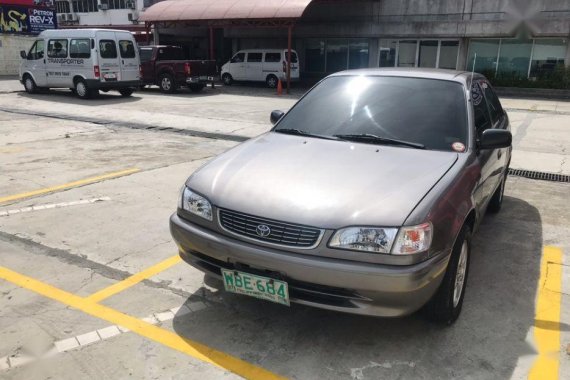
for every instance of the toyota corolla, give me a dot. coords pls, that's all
(363, 198)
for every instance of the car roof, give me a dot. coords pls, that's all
(463, 77)
(65, 33)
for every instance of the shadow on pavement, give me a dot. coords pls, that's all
(66, 96)
(305, 343)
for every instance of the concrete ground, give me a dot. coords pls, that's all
(64, 249)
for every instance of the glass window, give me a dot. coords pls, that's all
(293, 56)
(495, 108)
(407, 54)
(84, 6)
(425, 111)
(37, 50)
(480, 109)
(238, 58)
(80, 48)
(337, 55)
(487, 51)
(388, 53)
(315, 56)
(514, 58)
(108, 49)
(546, 55)
(145, 54)
(272, 57)
(57, 48)
(254, 57)
(62, 7)
(428, 53)
(357, 54)
(448, 54)
(170, 54)
(127, 49)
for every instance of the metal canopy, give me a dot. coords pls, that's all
(208, 10)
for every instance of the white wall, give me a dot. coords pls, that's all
(109, 17)
(10, 46)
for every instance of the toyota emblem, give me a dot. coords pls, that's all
(263, 230)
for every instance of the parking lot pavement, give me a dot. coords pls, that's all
(91, 286)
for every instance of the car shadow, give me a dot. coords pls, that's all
(306, 343)
(182, 92)
(67, 96)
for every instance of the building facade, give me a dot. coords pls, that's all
(518, 38)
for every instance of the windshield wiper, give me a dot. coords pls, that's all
(298, 132)
(366, 137)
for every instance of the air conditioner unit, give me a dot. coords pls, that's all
(131, 5)
(133, 17)
(103, 6)
(60, 18)
(72, 17)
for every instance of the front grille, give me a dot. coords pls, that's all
(291, 235)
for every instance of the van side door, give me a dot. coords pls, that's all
(35, 63)
(254, 67)
(81, 58)
(57, 67)
(237, 66)
(108, 53)
(130, 63)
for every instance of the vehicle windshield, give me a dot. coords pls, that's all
(427, 112)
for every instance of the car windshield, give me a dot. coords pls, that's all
(427, 112)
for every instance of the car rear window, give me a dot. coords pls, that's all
(293, 57)
(127, 49)
(170, 54)
(425, 111)
(108, 49)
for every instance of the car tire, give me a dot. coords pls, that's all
(167, 84)
(271, 81)
(445, 305)
(196, 87)
(497, 199)
(227, 79)
(126, 92)
(81, 89)
(30, 85)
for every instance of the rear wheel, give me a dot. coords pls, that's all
(126, 92)
(82, 90)
(30, 85)
(166, 83)
(271, 81)
(227, 79)
(445, 306)
(196, 87)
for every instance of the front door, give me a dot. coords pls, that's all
(109, 65)
(128, 58)
(35, 63)
(237, 66)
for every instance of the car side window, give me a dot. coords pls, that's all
(493, 101)
(36, 51)
(238, 58)
(272, 57)
(480, 109)
(57, 48)
(108, 49)
(254, 57)
(80, 48)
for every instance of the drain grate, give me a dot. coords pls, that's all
(542, 176)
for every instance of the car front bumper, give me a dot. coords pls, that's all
(341, 285)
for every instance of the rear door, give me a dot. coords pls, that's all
(129, 60)
(108, 51)
(254, 66)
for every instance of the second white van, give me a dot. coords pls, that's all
(83, 60)
(260, 65)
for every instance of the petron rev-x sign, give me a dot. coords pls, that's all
(27, 16)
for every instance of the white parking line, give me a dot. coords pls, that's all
(99, 335)
(53, 205)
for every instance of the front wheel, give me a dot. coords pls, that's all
(30, 85)
(126, 92)
(227, 79)
(445, 306)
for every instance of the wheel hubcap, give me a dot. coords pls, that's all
(29, 85)
(460, 275)
(227, 79)
(166, 84)
(81, 89)
(272, 82)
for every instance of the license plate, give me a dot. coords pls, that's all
(256, 286)
(110, 76)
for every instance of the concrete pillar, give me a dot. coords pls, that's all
(567, 60)
(156, 35)
(373, 52)
(235, 45)
(463, 51)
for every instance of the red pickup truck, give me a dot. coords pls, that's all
(166, 67)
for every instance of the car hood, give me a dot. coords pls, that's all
(321, 183)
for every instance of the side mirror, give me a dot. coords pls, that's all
(275, 116)
(23, 54)
(495, 138)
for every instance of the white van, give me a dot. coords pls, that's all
(261, 65)
(83, 60)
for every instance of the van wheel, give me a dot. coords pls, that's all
(227, 79)
(166, 83)
(126, 92)
(271, 81)
(196, 87)
(82, 90)
(445, 306)
(30, 85)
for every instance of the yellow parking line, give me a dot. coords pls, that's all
(133, 280)
(154, 333)
(547, 318)
(69, 185)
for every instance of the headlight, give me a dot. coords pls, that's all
(370, 239)
(194, 203)
(413, 239)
